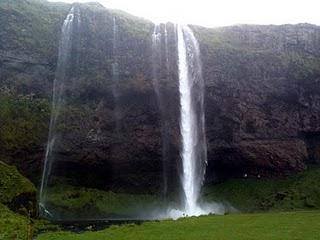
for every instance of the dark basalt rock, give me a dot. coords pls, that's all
(262, 96)
(260, 82)
(263, 158)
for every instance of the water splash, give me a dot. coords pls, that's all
(64, 55)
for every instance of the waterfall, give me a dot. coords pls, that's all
(166, 49)
(115, 76)
(192, 123)
(63, 63)
(157, 59)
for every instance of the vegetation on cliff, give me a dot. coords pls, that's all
(13, 184)
(23, 121)
(31, 27)
(297, 192)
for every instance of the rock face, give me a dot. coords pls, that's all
(262, 97)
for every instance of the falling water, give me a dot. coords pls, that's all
(156, 72)
(115, 76)
(156, 57)
(166, 49)
(192, 120)
(58, 90)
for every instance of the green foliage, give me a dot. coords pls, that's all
(14, 226)
(23, 121)
(12, 183)
(280, 226)
(298, 192)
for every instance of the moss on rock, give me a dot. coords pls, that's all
(24, 121)
(16, 191)
(14, 226)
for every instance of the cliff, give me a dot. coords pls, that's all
(262, 97)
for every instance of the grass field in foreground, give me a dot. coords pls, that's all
(264, 226)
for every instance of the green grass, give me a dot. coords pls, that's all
(282, 226)
(14, 226)
(301, 191)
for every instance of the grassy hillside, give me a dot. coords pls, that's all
(12, 186)
(14, 226)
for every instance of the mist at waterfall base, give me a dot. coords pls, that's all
(192, 125)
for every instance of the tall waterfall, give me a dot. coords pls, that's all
(192, 124)
(115, 76)
(63, 63)
(157, 59)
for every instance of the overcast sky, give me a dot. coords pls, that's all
(213, 13)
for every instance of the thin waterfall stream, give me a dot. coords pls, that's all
(115, 77)
(156, 72)
(64, 55)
